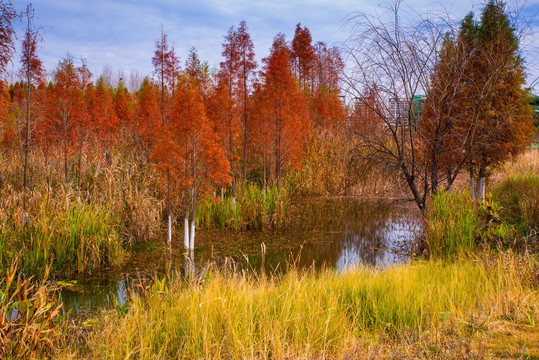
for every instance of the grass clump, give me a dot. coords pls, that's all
(451, 225)
(254, 207)
(69, 237)
(309, 315)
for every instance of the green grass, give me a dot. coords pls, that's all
(254, 207)
(451, 225)
(70, 238)
(308, 315)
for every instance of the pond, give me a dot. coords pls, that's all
(322, 233)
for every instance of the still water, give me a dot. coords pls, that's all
(322, 233)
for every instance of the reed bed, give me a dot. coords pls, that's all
(254, 207)
(451, 225)
(334, 166)
(67, 235)
(327, 315)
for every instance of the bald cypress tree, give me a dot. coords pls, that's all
(495, 103)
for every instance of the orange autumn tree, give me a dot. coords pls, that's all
(326, 108)
(284, 110)
(191, 152)
(222, 111)
(64, 110)
(122, 105)
(166, 70)
(261, 141)
(242, 66)
(104, 116)
(303, 56)
(146, 126)
(224, 93)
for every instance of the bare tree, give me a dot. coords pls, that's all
(135, 80)
(108, 75)
(32, 71)
(390, 59)
(444, 97)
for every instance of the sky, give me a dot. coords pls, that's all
(121, 33)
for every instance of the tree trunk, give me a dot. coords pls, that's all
(186, 231)
(482, 178)
(169, 210)
(27, 134)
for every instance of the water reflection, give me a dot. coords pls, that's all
(324, 233)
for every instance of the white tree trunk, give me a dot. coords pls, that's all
(186, 233)
(192, 242)
(169, 229)
(481, 189)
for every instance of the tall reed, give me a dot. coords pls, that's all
(254, 207)
(69, 236)
(334, 166)
(451, 225)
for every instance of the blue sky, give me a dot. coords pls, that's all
(122, 33)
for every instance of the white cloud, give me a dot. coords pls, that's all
(122, 33)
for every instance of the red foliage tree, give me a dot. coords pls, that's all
(245, 67)
(190, 153)
(122, 106)
(7, 33)
(326, 107)
(166, 70)
(146, 117)
(104, 117)
(303, 54)
(222, 112)
(224, 99)
(285, 106)
(64, 110)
